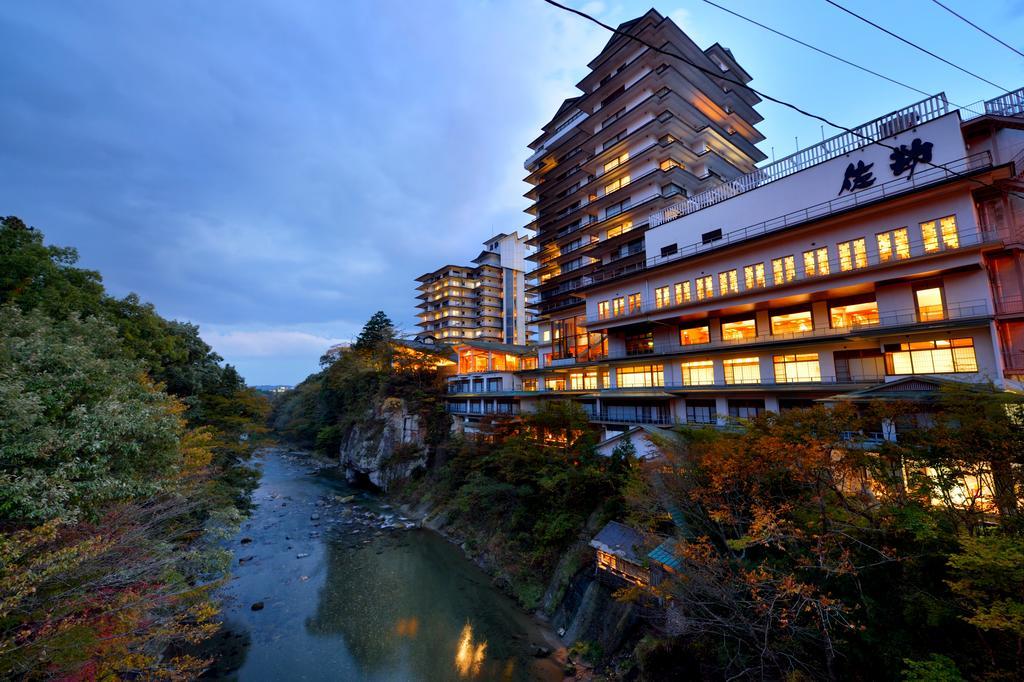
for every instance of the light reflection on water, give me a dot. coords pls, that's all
(469, 656)
(384, 607)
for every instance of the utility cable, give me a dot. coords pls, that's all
(968, 21)
(916, 46)
(763, 95)
(824, 52)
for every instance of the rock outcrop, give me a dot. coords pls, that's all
(385, 447)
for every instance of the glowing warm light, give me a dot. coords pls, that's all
(469, 655)
(407, 627)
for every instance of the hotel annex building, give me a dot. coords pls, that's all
(678, 282)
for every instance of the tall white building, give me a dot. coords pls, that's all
(486, 300)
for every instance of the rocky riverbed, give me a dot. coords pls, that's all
(332, 583)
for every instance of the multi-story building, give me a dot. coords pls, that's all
(487, 300)
(646, 131)
(879, 263)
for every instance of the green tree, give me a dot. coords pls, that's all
(378, 330)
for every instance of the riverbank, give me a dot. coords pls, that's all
(331, 582)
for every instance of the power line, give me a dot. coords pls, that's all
(968, 21)
(916, 46)
(824, 52)
(763, 95)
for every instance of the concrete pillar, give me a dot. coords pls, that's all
(722, 409)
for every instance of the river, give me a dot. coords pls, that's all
(344, 600)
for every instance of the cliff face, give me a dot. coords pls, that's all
(385, 447)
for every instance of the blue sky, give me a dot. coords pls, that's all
(277, 171)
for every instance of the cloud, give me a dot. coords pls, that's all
(266, 343)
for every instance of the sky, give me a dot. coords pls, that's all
(278, 171)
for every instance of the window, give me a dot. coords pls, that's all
(705, 287)
(682, 292)
(943, 356)
(616, 209)
(739, 330)
(689, 336)
(618, 305)
(635, 303)
(893, 244)
(698, 373)
(529, 384)
(929, 303)
(727, 282)
(641, 376)
(670, 250)
(783, 270)
(669, 164)
(742, 371)
(792, 323)
(816, 262)
(753, 276)
(853, 254)
(797, 368)
(701, 411)
(583, 381)
(616, 185)
(746, 409)
(553, 384)
(602, 310)
(639, 344)
(946, 231)
(662, 297)
(853, 314)
(620, 229)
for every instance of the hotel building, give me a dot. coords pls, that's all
(487, 300)
(646, 131)
(878, 263)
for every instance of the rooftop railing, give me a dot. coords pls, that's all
(878, 129)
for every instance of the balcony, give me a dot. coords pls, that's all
(476, 409)
(897, 319)
(965, 238)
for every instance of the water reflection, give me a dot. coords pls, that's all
(469, 656)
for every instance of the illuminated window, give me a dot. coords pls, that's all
(853, 314)
(620, 229)
(682, 292)
(616, 185)
(816, 262)
(796, 368)
(742, 371)
(946, 230)
(616, 162)
(893, 244)
(635, 303)
(929, 304)
(783, 270)
(669, 164)
(698, 373)
(728, 282)
(943, 356)
(705, 287)
(618, 305)
(641, 376)
(753, 276)
(554, 384)
(689, 336)
(739, 330)
(639, 344)
(662, 297)
(602, 310)
(583, 381)
(792, 323)
(853, 254)
(529, 384)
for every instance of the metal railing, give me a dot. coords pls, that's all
(456, 408)
(887, 320)
(1009, 305)
(917, 248)
(878, 129)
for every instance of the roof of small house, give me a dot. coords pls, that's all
(619, 539)
(665, 554)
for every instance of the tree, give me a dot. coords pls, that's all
(377, 330)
